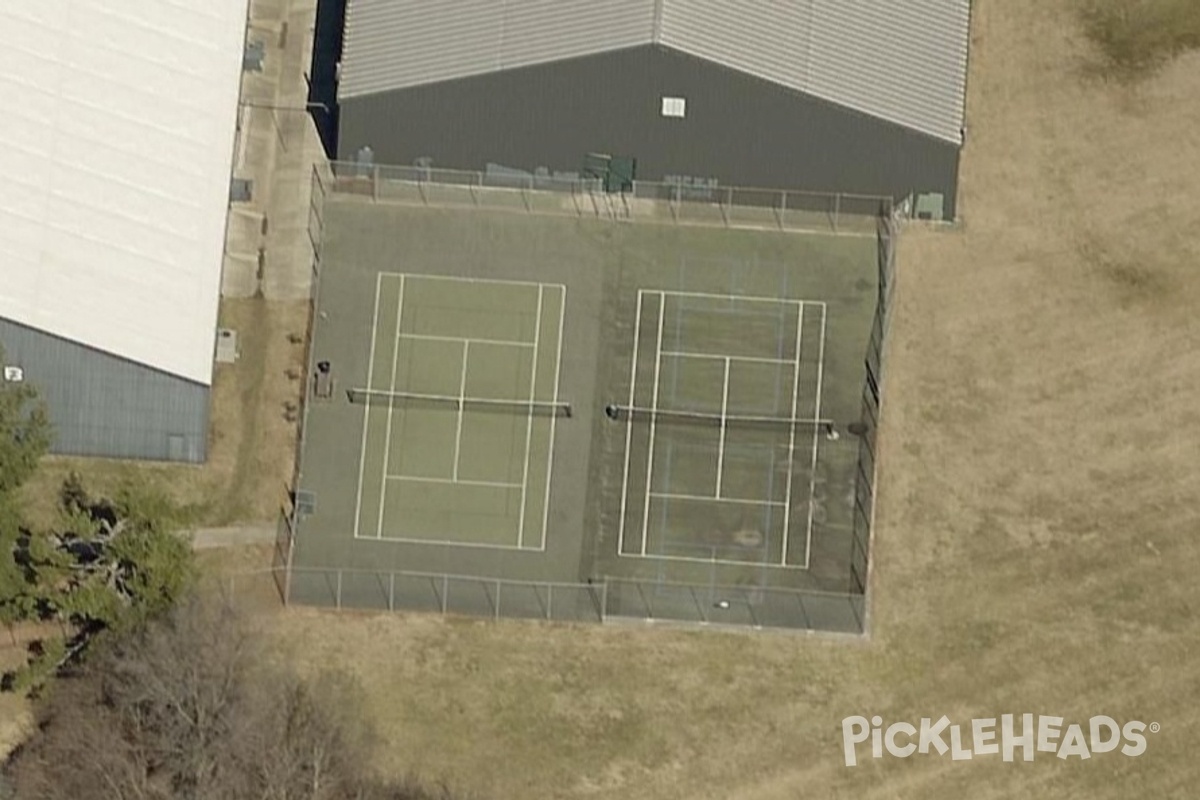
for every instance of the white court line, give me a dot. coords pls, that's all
(537, 334)
(460, 339)
(662, 308)
(735, 297)
(719, 356)
(633, 365)
(387, 442)
(461, 279)
(462, 402)
(728, 562)
(724, 427)
(791, 451)
(451, 543)
(362, 460)
(460, 482)
(706, 498)
(812, 475)
(562, 311)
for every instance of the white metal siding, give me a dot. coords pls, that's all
(116, 151)
(770, 40)
(904, 61)
(394, 44)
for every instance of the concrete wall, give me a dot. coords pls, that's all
(102, 405)
(741, 130)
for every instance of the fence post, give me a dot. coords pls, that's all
(857, 617)
(338, 598)
(525, 190)
(604, 600)
(375, 184)
(645, 602)
(782, 209)
(674, 202)
(445, 592)
(837, 209)
(550, 601)
(727, 205)
(496, 607)
(391, 591)
(699, 606)
(804, 612)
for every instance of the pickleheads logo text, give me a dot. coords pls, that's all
(1027, 735)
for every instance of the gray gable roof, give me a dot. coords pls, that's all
(904, 61)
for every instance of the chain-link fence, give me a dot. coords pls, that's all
(874, 363)
(757, 606)
(467, 595)
(743, 606)
(675, 202)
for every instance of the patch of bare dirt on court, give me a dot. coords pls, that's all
(1036, 542)
(252, 445)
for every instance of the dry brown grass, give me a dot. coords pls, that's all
(251, 444)
(1136, 37)
(1035, 549)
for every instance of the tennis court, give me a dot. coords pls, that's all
(722, 429)
(467, 460)
(459, 411)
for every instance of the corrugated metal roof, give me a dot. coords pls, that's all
(116, 152)
(394, 44)
(905, 62)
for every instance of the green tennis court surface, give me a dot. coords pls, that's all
(720, 491)
(448, 467)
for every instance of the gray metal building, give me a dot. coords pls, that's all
(103, 405)
(854, 96)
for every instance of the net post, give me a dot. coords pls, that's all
(338, 591)
(550, 601)
(727, 205)
(445, 593)
(673, 203)
(783, 195)
(391, 591)
(604, 600)
(526, 188)
(375, 184)
(837, 209)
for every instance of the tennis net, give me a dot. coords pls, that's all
(739, 421)
(415, 401)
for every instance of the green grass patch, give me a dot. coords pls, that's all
(1137, 37)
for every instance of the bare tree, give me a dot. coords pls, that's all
(185, 708)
